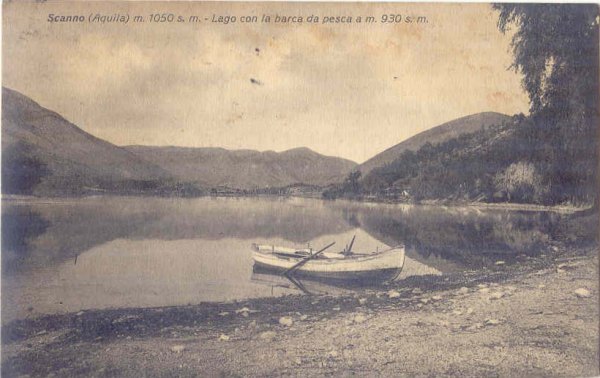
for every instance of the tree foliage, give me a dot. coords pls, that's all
(22, 171)
(520, 182)
(555, 47)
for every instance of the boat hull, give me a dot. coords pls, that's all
(382, 266)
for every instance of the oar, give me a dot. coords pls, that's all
(302, 262)
(351, 244)
(298, 284)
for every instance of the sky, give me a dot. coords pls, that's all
(348, 90)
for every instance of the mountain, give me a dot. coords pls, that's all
(246, 169)
(435, 135)
(45, 153)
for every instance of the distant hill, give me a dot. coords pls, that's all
(43, 152)
(492, 164)
(246, 169)
(438, 134)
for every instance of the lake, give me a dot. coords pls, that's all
(65, 255)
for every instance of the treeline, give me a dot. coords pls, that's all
(510, 162)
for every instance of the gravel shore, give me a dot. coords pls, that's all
(537, 318)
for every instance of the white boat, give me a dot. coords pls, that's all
(346, 265)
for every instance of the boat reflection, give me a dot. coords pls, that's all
(313, 285)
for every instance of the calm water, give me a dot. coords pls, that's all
(68, 255)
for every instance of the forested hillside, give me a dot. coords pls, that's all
(500, 163)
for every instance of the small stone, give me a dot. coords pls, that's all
(223, 337)
(541, 286)
(303, 317)
(360, 318)
(424, 300)
(492, 322)
(268, 335)
(500, 262)
(475, 326)
(567, 266)
(336, 309)
(80, 313)
(463, 290)
(362, 301)
(484, 290)
(333, 354)
(244, 311)
(393, 294)
(496, 296)
(298, 361)
(417, 291)
(469, 311)
(177, 348)
(436, 298)
(457, 312)
(224, 313)
(286, 321)
(582, 293)
(481, 286)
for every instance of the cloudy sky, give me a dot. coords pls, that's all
(344, 90)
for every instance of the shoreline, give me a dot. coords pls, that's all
(509, 206)
(532, 302)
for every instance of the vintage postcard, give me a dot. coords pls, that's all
(258, 189)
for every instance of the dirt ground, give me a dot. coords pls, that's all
(535, 319)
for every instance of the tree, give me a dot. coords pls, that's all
(520, 182)
(555, 47)
(22, 170)
(351, 184)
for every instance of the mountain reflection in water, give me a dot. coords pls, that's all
(72, 254)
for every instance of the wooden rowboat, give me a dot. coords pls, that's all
(345, 265)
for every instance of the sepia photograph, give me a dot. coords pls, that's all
(301, 189)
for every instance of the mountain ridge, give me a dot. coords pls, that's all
(437, 134)
(65, 155)
(45, 154)
(246, 169)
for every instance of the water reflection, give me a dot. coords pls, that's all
(113, 252)
(53, 232)
(456, 238)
